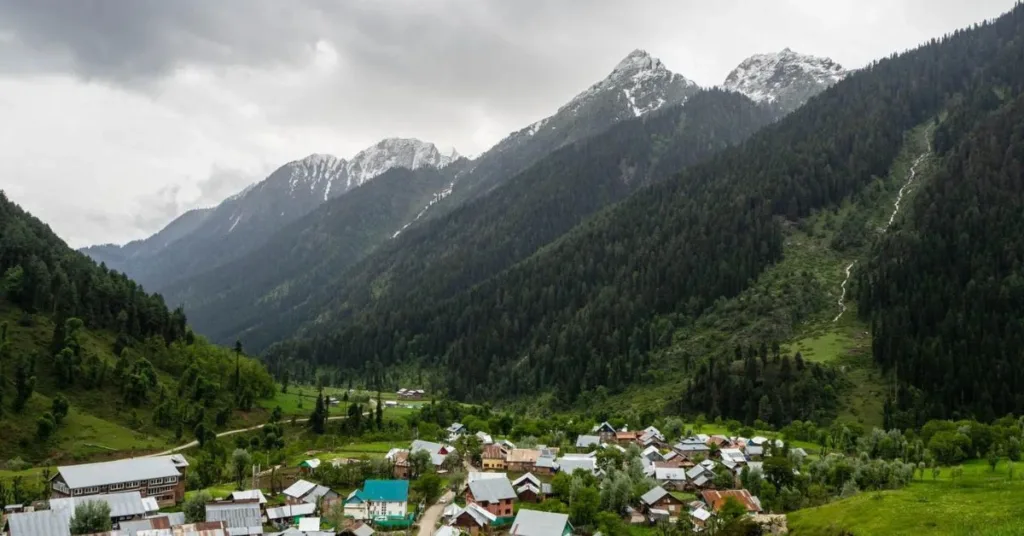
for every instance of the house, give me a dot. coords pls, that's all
(798, 452)
(473, 518)
(493, 457)
(699, 517)
(38, 523)
(529, 488)
(358, 529)
(691, 448)
(732, 457)
(308, 466)
(522, 460)
(570, 464)
(251, 494)
(477, 475)
(505, 444)
(284, 516)
(446, 530)
(242, 518)
(652, 454)
(753, 452)
(399, 459)
(546, 465)
(625, 437)
(715, 499)
(123, 506)
(721, 441)
(378, 498)
(456, 429)
(701, 476)
(588, 442)
(389, 404)
(671, 478)
(161, 477)
(309, 524)
(653, 433)
(305, 491)
(485, 438)
(495, 495)
(605, 431)
(438, 452)
(534, 523)
(660, 499)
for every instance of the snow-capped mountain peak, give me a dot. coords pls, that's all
(639, 81)
(786, 78)
(395, 152)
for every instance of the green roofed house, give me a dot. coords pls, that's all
(378, 499)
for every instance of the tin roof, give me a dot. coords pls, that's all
(115, 472)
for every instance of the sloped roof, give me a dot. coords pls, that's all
(604, 427)
(291, 510)
(716, 499)
(476, 475)
(654, 495)
(40, 523)
(128, 504)
(362, 529)
(299, 489)
(571, 464)
(385, 490)
(480, 516)
(701, 514)
(528, 477)
(585, 441)
(249, 495)
(492, 489)
(534, 523)
(523, 456)
(242, 518)
(493, 452)
(129, 470)
(309, 524)
(546, 462)
(669, 473)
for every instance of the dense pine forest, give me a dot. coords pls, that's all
(77, 339)
(588, 310)
(943, 293)
(254, 297)
(434, 261)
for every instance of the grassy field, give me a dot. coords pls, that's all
(983, 502)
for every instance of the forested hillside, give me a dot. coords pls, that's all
(944, 292)
(588, 310)
(83, 348)
(254, 298)
(430, 262)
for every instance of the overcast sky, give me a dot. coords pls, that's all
(119, 115)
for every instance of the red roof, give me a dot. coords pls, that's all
(716, 499)
(493, 452)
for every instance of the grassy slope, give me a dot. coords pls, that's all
(794, 302)
(982, 502)
(98, 425)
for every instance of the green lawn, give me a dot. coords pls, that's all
(983, 502)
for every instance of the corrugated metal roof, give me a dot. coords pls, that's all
(492, 489)
(128, 504)
(293, 510)
(41, 523)
(242, 518)
(534, 523)
(299, 489)
(115, 472)
(654, 495)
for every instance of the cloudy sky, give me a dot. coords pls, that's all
(118, 115)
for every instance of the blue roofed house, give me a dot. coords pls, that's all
(378, 499)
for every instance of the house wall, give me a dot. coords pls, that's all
(503, 508)
(467, 524)
(375, 508)
(673, 505)
(167, 491)
(356, 511)
(493, 463)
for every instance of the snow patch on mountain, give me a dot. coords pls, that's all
(640, 77)
(787, 78)
(447, 191)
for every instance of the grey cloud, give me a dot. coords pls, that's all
(138, 39)
(222, 183)
(157, 208)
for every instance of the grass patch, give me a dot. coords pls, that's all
(982, 502)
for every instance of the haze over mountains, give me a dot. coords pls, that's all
(204, 239)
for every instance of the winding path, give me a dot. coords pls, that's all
(192, 444)
(892, 217)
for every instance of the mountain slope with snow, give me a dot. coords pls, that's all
(786, 79)
(203, 239)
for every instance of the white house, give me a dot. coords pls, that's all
(378, 499)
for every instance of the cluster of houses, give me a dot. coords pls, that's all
(411, 394)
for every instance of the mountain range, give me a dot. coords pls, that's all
(201, 240)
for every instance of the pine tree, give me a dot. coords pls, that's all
(380, 412)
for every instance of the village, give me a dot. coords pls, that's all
(494, 487)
